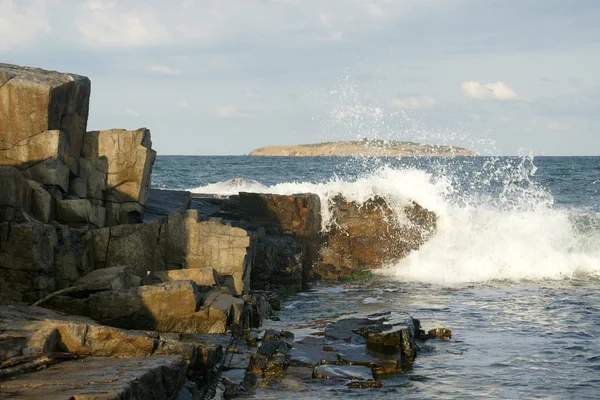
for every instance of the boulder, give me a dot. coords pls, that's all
(380, 342)
(273, 356)
(437, 333)
(178, 306)
(386, 343)
(34, 101)
(370, 235)
(126, 158)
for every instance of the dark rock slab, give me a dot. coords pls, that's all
(100, 378)
(164, 202)
(354, 372)
(365, 385)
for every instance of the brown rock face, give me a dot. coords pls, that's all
(27, 331)
(34, 101)
(370, 235)
(177, 306)
(126, 159)
(42, 157)
(43, 120)
(283, 257)
(193, 243)
(296, 215)
(183, 241)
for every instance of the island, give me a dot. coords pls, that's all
(364, 147)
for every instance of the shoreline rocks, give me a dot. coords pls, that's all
(174, 285)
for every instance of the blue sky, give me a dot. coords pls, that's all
(224, 77)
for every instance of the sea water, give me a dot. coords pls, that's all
(513, 269)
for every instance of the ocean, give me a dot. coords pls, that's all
(513, 270)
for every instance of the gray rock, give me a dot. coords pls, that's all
(354, 372)
(26, 261)
(80, 211)
(115, 278)
(43, 206)
(16, 195)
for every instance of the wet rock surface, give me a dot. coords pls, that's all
(370, 235)
(337, 354)
(354, 372)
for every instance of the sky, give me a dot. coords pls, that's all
(222, 77)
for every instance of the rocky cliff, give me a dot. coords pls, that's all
(95, 266)
(375, 148)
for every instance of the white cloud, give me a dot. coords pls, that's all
(182, 104)
(489, 91)
(332, 37)
(375, 11)
(231, 111)
(413, 102)
(112, 24)
(250, 92)
(227, 111)
(325, 20)
(555, 126)
(147, 23)
(22, 22)
(132, 112)
(164, 70)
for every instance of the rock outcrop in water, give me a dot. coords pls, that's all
(107, 279)
(365, 147)
(370, 235)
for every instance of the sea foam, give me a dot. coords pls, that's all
(513, 232)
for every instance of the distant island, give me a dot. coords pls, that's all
(364, 147)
